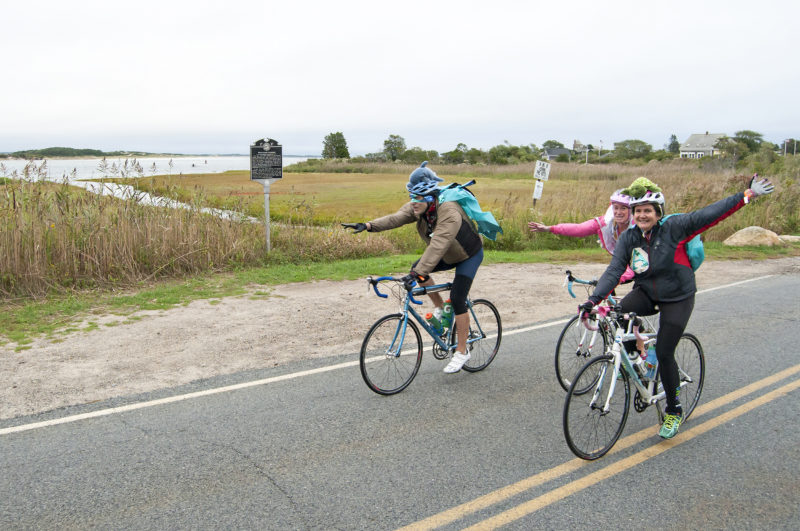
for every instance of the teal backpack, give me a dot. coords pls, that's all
(694, 249)
(487, 225)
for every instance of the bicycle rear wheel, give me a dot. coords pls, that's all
(384, 370)
(692, 371)
(487, 330)
(574, 348)
(591, 431)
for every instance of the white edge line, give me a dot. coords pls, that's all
(264, 381)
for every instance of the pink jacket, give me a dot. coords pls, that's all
(596, 226)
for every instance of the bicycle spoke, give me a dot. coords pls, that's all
(383, 372)
(589, 430)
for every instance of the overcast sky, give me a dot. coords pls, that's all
(211, 77)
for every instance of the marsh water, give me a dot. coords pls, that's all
(79, 172)
(94, 168)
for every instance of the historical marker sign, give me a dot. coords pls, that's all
(266, 160)
(266, 165)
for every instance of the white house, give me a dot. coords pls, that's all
(701, 145)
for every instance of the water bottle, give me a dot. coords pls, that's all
(651, 363)
(638, 363)
(447, 314)
(435, 323)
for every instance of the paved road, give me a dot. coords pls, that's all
(321, 451)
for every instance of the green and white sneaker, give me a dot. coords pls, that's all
(670, 427)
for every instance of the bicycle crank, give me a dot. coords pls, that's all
(639, 404)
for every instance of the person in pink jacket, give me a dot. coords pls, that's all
(607, 227)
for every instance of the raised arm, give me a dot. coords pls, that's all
(575, 230)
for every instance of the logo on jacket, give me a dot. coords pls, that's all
(640, 262)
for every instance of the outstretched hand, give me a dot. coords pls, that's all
(538, 227)
(760, 186)
(356, 227)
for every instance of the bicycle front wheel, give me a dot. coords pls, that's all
(594, 417)
(574, 348)
(391, 354)
(485, 332)
(691, 371)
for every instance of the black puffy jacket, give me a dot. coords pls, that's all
(661, 267)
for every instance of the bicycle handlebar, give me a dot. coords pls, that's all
(374, 283)
(604, 311)
(571, 279)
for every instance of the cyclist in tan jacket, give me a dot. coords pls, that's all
(452, 240)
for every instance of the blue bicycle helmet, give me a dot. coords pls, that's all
(423, 181)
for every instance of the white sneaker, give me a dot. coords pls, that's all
(457, 362)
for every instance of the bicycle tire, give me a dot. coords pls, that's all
(589, 432)
(483, 351)
(385, 373)
(570, 354)
(692, 369)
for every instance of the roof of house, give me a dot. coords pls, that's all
(701, 142)
(554, 152)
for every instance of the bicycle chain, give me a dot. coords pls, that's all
(639, 404)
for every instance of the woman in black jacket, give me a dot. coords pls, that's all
(663, 277)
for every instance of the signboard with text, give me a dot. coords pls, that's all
(266, 160)
(537, 189)
(542, 171)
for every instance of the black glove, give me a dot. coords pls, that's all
(357, 227)
(586, 307)
(409, 281)
(413, 277)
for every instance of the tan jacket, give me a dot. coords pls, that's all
(453, 238)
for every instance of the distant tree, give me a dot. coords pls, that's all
(376, 157)
(631, 149)
(394, 146)
(475, 156)
(673, 146)
(457, 156)
(552, 144)
(416, 155)
(730, 148)
(750, 138)
(335, 147)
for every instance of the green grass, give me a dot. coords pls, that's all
(56, 315)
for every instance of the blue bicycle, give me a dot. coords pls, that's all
(391, 353)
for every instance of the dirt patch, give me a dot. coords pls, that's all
(293, 322)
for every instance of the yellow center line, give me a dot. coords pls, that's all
(504, 493)
(578, 485)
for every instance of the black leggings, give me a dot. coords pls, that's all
(672, 322)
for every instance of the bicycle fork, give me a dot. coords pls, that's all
(397, 341)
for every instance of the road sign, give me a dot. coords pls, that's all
(537, 190)
(542, 170)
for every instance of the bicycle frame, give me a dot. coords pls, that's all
(622, 362)
(408, 309)
(610, 300)
(610, 303)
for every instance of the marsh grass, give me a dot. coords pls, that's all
(56, 238)
(59, 238)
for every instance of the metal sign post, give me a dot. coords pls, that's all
(541, 174)
(266, 165)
